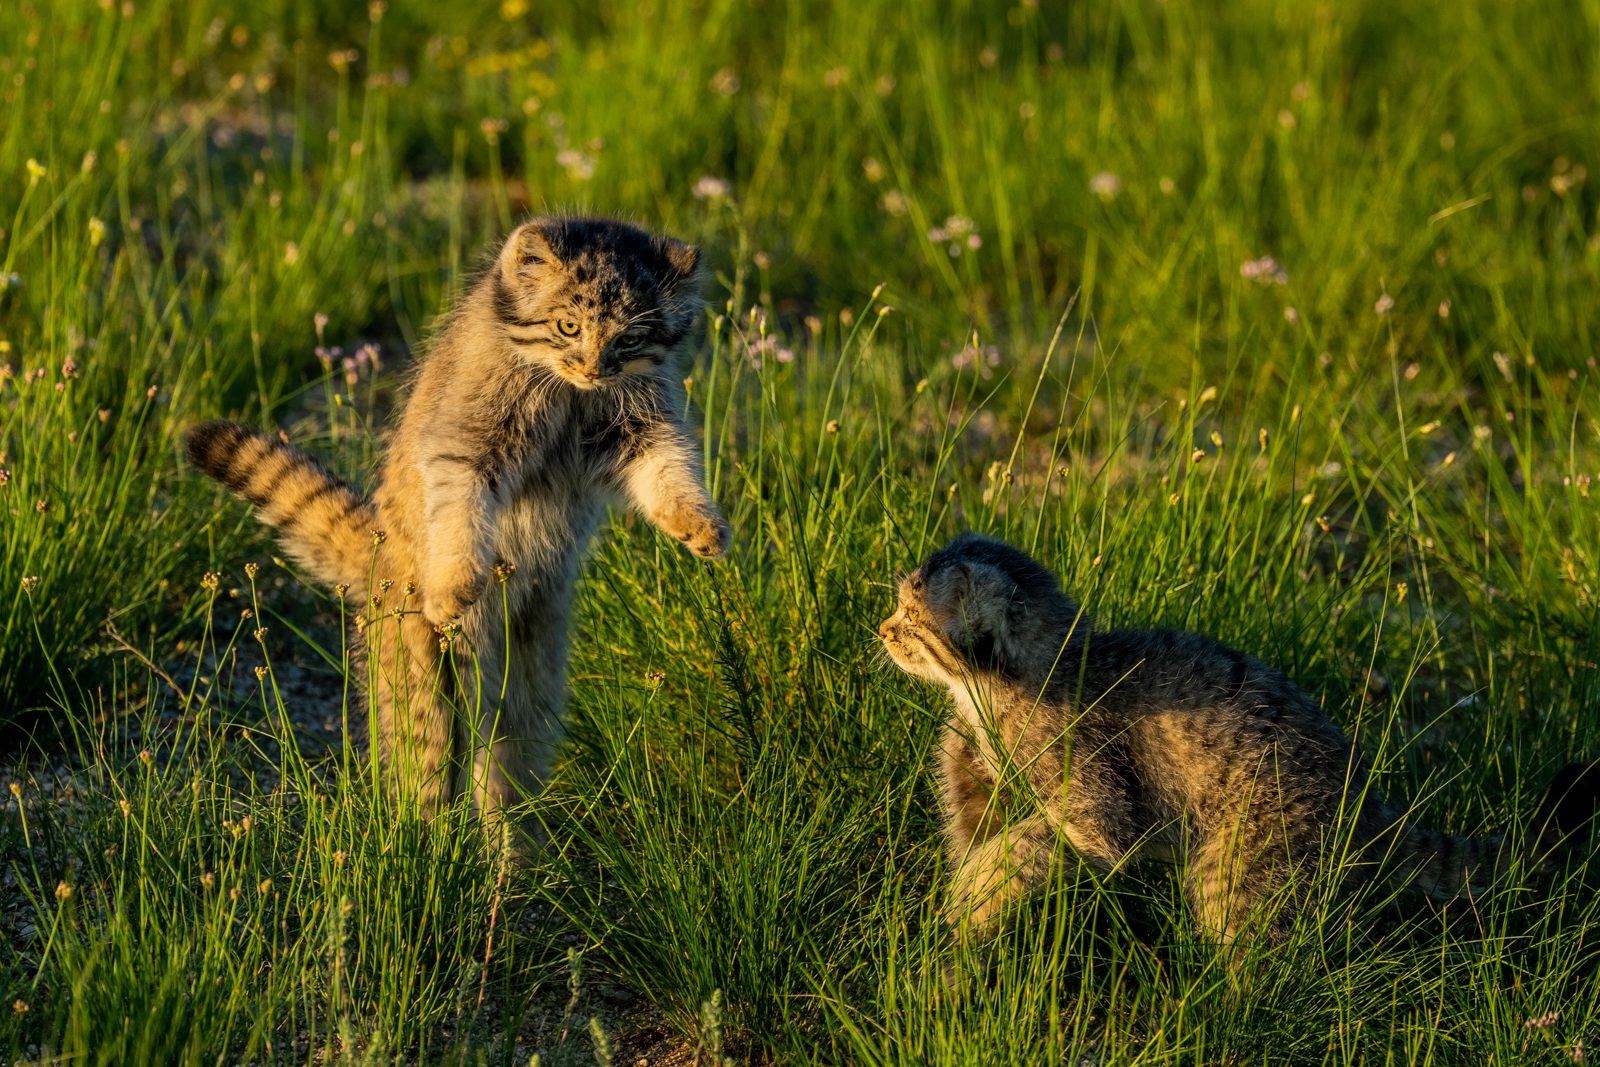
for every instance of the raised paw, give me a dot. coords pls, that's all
(707, 535)
(449, 595)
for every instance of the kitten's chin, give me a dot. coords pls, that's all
(915, 665)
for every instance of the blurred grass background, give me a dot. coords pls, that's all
(1325, 386)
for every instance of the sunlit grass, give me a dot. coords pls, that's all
(1272, 322)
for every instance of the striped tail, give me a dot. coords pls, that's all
(1444, 867)
(323, 525)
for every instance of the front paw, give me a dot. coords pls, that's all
(450, 593)
(705, 533)
(977, 899)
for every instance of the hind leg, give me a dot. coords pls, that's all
(409, 693)
(1243, 885)
(514, 740)
(513, 701)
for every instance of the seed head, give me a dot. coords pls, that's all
(379, 537)
(127, 808)
(251, 570)
(1263, 436)
(261, 674)
(63, 890)
(20, 1007)
(504, 570)
(261, 634)
(29, 582)
(341, 589)
(266, 884)
(147, 757)
(208, 880)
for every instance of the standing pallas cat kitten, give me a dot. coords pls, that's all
(555, 389)
(1150, 744)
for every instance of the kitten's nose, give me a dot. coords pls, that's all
(883, 628)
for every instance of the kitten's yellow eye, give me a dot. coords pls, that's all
(567, 327)
(630, 340)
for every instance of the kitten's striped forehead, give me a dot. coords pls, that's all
(973, 573)
(611, 267)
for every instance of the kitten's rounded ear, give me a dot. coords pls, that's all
(529, 250)
(684, 258)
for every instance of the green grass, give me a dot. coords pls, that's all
(746, 806)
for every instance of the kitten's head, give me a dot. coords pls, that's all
(594, 300)
(979, 605)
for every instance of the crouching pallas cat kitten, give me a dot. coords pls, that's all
(1149, 744)
(555, 389)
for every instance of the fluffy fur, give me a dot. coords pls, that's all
(1154, 745)
(556, 388)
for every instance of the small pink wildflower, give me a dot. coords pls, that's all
(709, 188)
(1265, 270)
(1105, 185)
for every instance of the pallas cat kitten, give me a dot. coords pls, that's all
(555, 389)
(1155, 745)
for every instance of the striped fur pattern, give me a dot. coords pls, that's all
(555, 390)
(323, 522)
(1154, 745)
